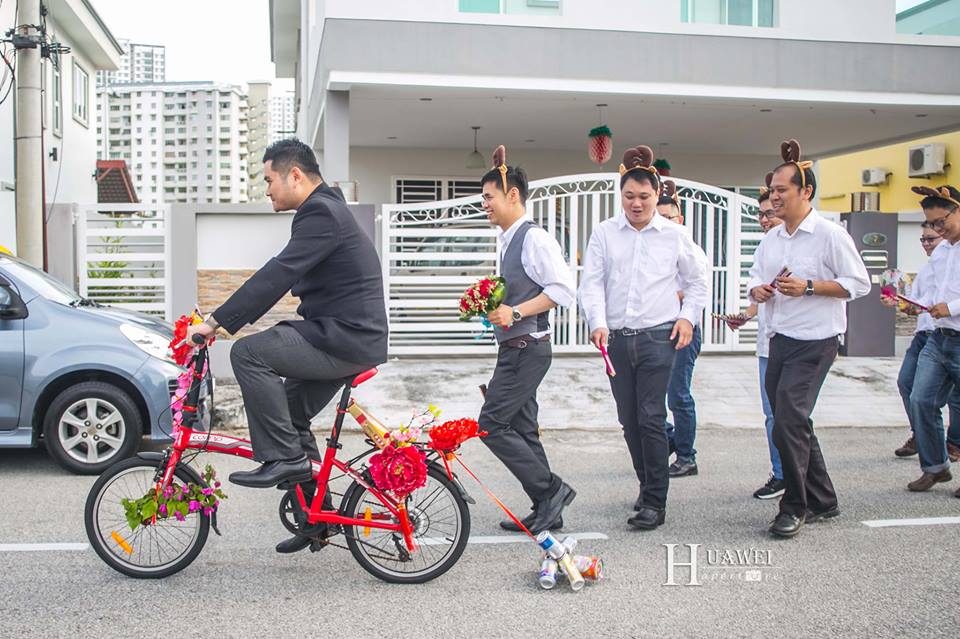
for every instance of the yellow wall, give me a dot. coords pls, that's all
(840, 176)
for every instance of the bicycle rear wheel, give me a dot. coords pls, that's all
(441, 524)
(149, 552)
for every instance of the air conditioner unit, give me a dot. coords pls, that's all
(873, 177)
(926, 159)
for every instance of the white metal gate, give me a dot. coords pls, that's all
(432, 251)
(123, 256)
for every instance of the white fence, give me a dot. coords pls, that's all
(123, 256)
(432, 251)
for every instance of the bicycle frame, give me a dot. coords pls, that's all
(186, 438)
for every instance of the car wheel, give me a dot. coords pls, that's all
(90, 426)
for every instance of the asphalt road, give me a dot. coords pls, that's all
(837, 578)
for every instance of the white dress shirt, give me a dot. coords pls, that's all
(543, 262)
(630, 277)
(945, 265)
(818, 250)
(922, 285)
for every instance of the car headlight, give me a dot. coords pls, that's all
(153, 344)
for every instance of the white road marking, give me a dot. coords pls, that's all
(519, 538)
(42, 547)
(924, 521)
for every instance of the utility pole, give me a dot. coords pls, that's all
(29, 194)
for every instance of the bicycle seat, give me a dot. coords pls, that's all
(362, 377)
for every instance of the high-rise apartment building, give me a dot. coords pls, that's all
(183, 141)
(141, 63)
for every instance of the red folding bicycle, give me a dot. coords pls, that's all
(409, 540)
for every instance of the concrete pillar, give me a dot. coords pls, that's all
(29, 197)
(336, 137)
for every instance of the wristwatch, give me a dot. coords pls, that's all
(516, 315)
(809, 289)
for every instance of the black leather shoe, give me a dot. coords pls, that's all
(829, 513)
(294, 544)
(272, 473)
(507, 524)
(638, 505)
(786, 525)
(648, 518)
(683, 468)
(546, 514)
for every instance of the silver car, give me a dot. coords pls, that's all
(89, 381)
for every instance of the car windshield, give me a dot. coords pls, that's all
(48, 287)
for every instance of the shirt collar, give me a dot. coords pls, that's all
(506, 236)
(657, 223)
(808, 225)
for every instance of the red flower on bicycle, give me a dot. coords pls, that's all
(400, 470)
(449, 435)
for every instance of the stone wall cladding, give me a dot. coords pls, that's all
(215, 286)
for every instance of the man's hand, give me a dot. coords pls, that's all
(745, 316)
(682, 332)
(889, 302)
(208, 332)
(501, 316)
(939, 311)
(791, 286)
(762, 293)
(599, 337)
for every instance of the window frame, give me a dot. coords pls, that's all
(84, 118)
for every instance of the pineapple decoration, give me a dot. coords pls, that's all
(600, 145)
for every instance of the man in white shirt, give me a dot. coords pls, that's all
(628, 293)
(805, 313)
(921, 287)
(774, 487)
(938, 367)
(537, 279)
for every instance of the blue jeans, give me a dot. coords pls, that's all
(908, 370)
(938, 370)
(680, 401)
(776, 466)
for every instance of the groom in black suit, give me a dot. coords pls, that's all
(288, 373)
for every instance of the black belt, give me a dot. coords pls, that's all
(949, 332)
(627, 332)
(927, 333)
(522, 341)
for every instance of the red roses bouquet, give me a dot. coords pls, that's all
(482, 297)
(448, 436)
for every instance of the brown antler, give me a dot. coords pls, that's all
(499, 156)
(790, 150)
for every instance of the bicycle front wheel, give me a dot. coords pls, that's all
(441, 527)
(157, 550)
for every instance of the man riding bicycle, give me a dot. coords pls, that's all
(289, 372)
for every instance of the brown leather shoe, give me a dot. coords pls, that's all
(953, 452)
(908, 449)
(928, 480)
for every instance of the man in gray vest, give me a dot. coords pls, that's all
(538, 279)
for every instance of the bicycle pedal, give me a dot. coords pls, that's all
(317, 545)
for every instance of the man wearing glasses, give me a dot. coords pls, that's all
(929, 239)
(938, 366)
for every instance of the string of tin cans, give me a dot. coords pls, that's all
(558, 560)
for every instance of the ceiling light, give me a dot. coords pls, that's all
(426, 99)
(475, 160)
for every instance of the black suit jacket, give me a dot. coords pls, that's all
(332, 266)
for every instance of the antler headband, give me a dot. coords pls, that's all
(943, 193)
(500, 164)
(670, 190)
(790, 152)
(638, 158)
(767, 180)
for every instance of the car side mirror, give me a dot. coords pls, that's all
(11, 305)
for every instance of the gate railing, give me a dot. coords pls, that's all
(432, 251)
(123, 256)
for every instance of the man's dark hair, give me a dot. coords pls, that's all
(926, 225)
(808, 178)
(516, 178)
(666, 199)
(764, 196)
(934, 202)
(289, 153)
(640, 176)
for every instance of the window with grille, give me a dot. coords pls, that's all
(412, 189)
